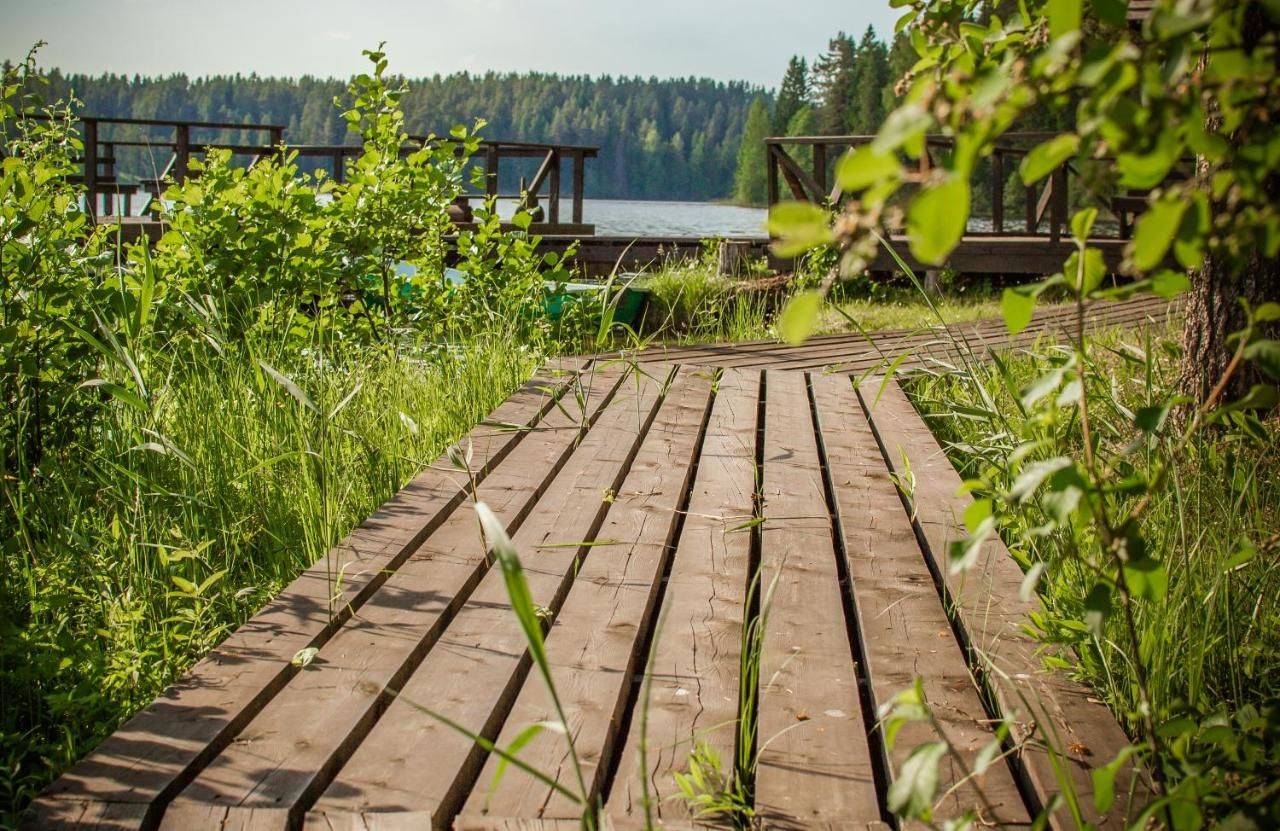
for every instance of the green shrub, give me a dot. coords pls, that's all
(186, 426)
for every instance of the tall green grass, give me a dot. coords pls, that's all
(130, 553)
(690, 304)
(1212, 645)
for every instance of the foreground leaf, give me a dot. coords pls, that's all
(911, 794)
(1154, 234)
(936, 220)
(1017, 305)
(1045, 157)
(800, 317)
(798, 227)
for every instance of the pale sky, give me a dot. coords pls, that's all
(747, 40)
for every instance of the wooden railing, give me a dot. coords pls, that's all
(1045, 204)
(108, 193)
(555, 162)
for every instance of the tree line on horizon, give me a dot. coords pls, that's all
(846, 90)
(659, 138)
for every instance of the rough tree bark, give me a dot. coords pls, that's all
(1213, 310)
(1213, 313)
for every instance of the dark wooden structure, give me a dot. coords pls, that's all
(1010, 255)
(1045, 205)
(930, 346)
(642, 503)
(111, 196)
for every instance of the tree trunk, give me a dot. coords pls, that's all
(1213, 312)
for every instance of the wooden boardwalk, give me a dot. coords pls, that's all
(642, 502)
(930, 346)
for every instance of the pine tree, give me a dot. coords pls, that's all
(833, 86)
(793, 94)
(749, 182)
(802, 124)
(871, 72)
(902, 56)
(669, 139)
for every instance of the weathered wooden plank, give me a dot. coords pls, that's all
(903, 626)
(991, 614)
(694, 688)
(927, 348)
(1098, 315)
(814, 764)
(373, 821)
(596, 642)
(284, 756)
(157, 751)
(69, 814)
(413, 761)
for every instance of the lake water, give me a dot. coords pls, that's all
(617, 217)
(626, 217)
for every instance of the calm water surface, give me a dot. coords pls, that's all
(625, 217)
(673, 219)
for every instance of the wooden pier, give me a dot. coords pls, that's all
(643, 504)
(929, 346)
(1044, 206)
(111, 196)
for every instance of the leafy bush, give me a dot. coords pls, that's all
(1088, 477)
(188, 425)
(1207, 622)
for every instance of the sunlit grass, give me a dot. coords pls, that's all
(1214, 641)
(138, 548)
(690, 304)
(894, 309)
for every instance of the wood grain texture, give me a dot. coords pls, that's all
(694, 688)
(412, 762)
(638, 513)
(814, 763)
(1044, 706)
(153, 755)
(928, 344)
(288, 751)
(903, 626)
(594, 647)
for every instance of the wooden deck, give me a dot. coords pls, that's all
(926, 347)
(642, 503)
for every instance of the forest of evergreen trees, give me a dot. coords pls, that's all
(847, 90)
(659, 139)
(682, 138)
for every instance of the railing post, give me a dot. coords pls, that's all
(553, 208)
(820, 167)
(491, 171)
(91, 165)
(579, 169)
(1058, 203)
(771, 167)
(181, 151)
(1032, 199)
(277, 138)
(339, 167)
(997, 191)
